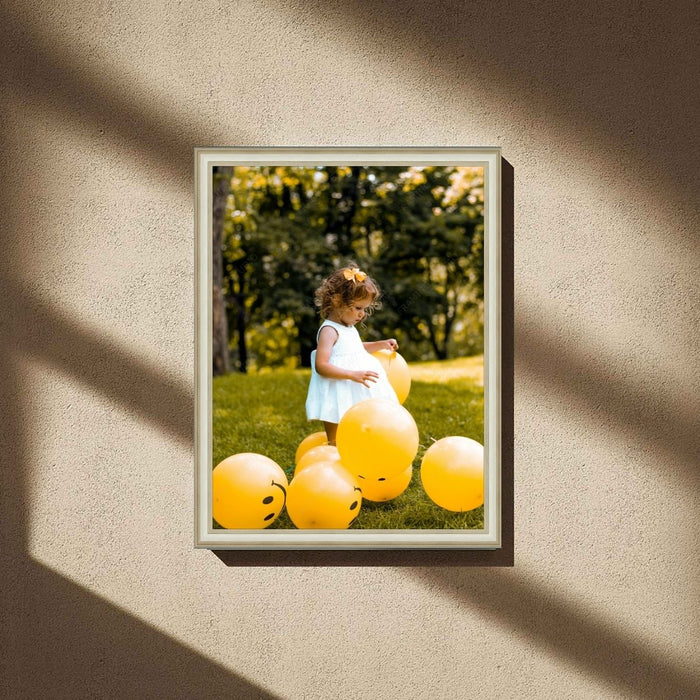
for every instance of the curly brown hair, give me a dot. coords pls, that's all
(344, 287)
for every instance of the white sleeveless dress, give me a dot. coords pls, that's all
(328, 399)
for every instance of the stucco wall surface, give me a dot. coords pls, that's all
(595, 107)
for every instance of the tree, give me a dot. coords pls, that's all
(341, 196)
(220, 354)
(274, 248)
(243, 254)
(292, 226)
(419, 231)
(428, 257)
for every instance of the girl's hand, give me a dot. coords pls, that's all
(363, 376)
(376, 345)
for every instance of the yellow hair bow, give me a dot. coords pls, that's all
(354, 273)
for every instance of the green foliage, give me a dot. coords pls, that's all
(264, 413)
(418, 231)
(273, 343)
(427, 262)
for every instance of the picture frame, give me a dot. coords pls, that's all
(489, 159)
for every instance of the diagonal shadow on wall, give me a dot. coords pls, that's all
(617, 82)
(59, 640)
(576, 635)
(51, 75)
(30, 322)
(648, 421)
(41, 607)
(100, 644)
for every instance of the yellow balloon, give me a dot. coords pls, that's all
(308, 442)
(385, 489)
(324, 496)
(248, 491)
(452, 473)
(376, 439)
(396, 371)
(321, 453)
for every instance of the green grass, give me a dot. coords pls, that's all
(264, 413)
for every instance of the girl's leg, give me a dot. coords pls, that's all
(331, 429)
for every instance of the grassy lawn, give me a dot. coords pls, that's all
(264, 413)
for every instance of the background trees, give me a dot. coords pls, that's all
(417, 231)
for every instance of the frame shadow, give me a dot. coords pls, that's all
(503, 557)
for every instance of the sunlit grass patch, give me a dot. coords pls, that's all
(446, 371)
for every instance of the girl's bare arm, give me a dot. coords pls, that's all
(326, 340)
(388, 344)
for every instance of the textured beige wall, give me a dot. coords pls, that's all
(597, 111)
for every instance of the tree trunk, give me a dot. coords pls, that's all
(349, 199)
(450, 315)
(440, 352)
(241, 321)
(220, 359)
(306, 334)
(342, 205)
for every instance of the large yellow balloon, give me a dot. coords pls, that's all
(325, 496)
(385, 489)
(376, 439)
(321, 453)
(248, 491)
(396, 371)
(308, 442)
(452, 473)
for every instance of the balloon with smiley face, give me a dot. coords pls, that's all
(248, 491)
(323, 496)
(377, 438)
(384, 489)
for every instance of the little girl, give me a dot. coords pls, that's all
(343, 372)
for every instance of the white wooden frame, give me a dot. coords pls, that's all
(205, 535)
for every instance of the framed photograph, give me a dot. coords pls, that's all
(348, 348)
